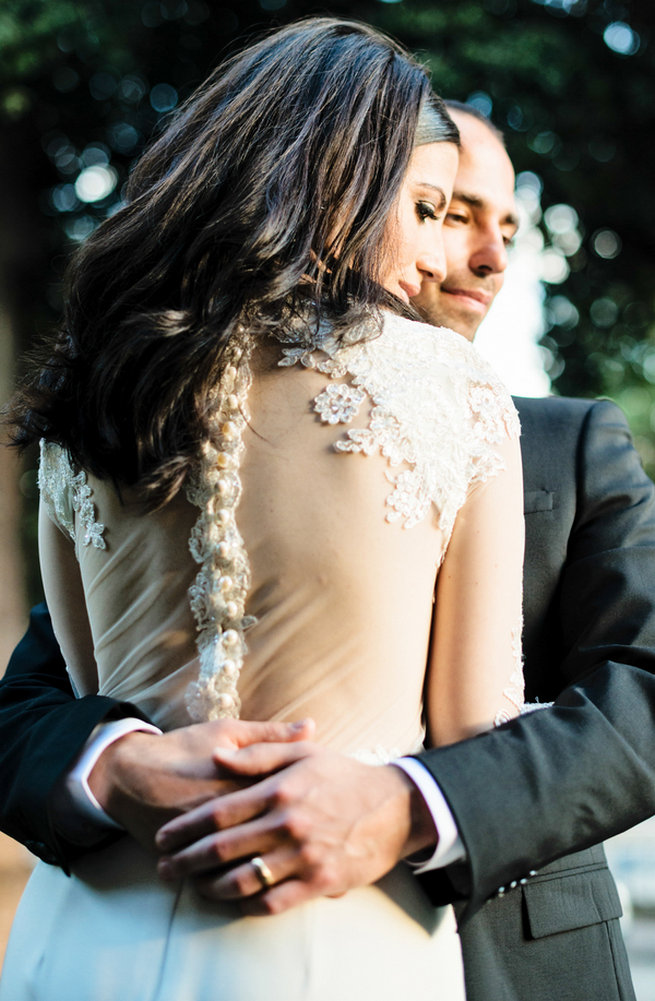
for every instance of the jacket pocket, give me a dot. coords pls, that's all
(571, 901)
(535, 501)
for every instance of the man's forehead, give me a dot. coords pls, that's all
(485, 178)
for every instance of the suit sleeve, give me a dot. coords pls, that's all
(42, 730)
(564, 778)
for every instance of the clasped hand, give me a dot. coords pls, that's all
(322, 822)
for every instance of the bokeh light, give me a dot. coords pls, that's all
(606, 243)
(163, 97)
(95, 183)
(620, 37)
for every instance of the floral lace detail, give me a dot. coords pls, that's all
(381, 755)
(487, 429)
(515, 691)
(307, 358)
(530, 707)
(218, 595)
(339, 403)
(85, 507)
(66, 492)
(408, 499)
(437, 409)
(378, 755)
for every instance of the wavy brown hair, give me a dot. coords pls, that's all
(272, 185)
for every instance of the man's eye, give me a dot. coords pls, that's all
(425, 210)
(456, 217)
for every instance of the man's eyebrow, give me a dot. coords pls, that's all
(442, 201)
(475, 202)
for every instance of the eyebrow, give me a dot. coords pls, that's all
(442, 201)
(475, 202)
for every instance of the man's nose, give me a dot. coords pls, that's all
(489, 256)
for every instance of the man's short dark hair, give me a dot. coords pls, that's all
(470, 109)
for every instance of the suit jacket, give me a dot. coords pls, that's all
(563, 778)
(524, 795)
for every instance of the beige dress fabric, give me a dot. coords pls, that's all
(294, 578)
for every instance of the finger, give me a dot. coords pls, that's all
(254, 732)
(262, 759)
(243, 881)
(281, 897)
(218, 850)
(214, 815)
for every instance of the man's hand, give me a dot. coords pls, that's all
(142, 779)
(323, 824)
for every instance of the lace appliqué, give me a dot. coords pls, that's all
(64, 491)
(437, 408)
(339, 403)
(487, 429)
(378, 755)
(218, 595)
(515, 691)
(409, 499)
(382, 755)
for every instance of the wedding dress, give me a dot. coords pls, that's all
(294, 577)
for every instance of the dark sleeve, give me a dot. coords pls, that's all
(42, 729)
(567, 777)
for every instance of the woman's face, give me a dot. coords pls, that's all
(414, 251)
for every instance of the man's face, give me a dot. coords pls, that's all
(478, 229)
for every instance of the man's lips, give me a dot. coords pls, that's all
(477, 295)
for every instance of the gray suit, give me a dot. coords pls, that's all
(563, 778)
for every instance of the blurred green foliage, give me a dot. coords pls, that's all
(570, 82)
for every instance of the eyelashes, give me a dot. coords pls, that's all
(425, 210)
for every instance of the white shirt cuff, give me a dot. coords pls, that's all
(77, 814)
(450, 847)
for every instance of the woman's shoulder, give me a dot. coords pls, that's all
(441, 367)
(65, 493)
(446, 346)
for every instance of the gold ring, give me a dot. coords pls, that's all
(262, 872)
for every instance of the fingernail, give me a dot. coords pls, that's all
(164, 869)
(225, 752)
(300, 725)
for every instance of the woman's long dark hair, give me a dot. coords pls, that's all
(272, 184)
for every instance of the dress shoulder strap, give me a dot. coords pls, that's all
(66, 493)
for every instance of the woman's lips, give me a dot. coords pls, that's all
(409, 290)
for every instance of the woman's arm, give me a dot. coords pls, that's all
(474, 671)
(62, 585)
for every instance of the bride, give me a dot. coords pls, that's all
(255, 466)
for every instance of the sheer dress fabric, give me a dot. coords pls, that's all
(295, 577)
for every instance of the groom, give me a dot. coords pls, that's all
(510, 801)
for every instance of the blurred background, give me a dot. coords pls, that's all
(571, 84)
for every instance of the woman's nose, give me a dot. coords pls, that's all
(431, 263)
